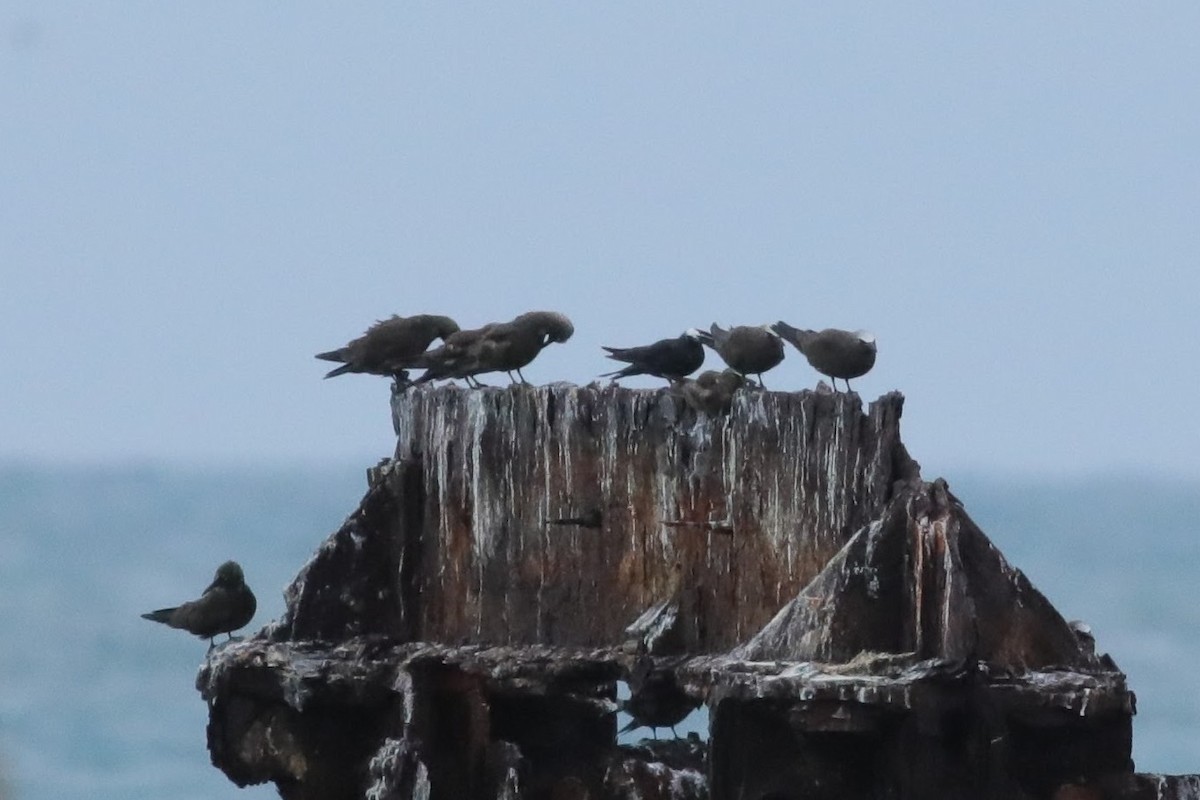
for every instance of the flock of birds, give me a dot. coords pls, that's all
(395, 346)
(392, 347)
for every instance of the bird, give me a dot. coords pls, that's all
(498, 347)
(226, 605)
(656, 699)
(456, 358)
(389, 346)
(832, 352)
(748, 349)
(671, 359)
(711, 391)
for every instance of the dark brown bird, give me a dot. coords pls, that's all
(832, 352)
(712, 391)
(226, 605)
(390, 345)
(456, 358)
(672, 359)
(499, 347)
(655, 699)
(748, 349)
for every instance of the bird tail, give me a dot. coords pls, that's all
(163, 615)
(632, 369)
(633, 723)
(342, 370)
(332, 355)
(798, 337)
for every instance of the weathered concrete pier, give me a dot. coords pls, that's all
(851, 631)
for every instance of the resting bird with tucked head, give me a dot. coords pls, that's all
(671, 359)
(749, 349)
(226, 605)
(389, 346)
(712, 391)
(832, 352)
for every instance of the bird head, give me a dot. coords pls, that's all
(229, 574)
(866, 337)
(731, 380)
(770, 329)
(443, 326)
(550, 324)
(695, 334)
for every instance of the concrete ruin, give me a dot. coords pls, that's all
(850, 631)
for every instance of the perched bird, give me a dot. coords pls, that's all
(671, 359)
(515, 344)
(389, 346)
(226, 605)
(499, 347)
(832, 352)
(456, 358)
(712, 391)
(748, 349)
(655, 699)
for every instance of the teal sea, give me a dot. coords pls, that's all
(98, 703)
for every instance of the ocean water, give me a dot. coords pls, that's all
(98, 703)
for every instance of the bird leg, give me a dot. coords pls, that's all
(522, 377)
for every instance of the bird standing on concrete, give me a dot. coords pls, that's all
(389, 346)
(672, 359)
(456, 358)
(748, 349)
(499, 347)
(832, 352)
(712, 391)
(226, 605)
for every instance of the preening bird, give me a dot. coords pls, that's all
(389, 346)
(498, 347)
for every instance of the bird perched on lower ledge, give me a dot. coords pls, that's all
(748, 349)
(656, 699)
(671, 359)
(832, 352)
(225, 606)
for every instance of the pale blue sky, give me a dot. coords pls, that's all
(195, 198)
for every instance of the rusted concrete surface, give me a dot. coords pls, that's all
(953, 597)
(734, 513)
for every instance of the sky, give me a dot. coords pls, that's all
(196, 198)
